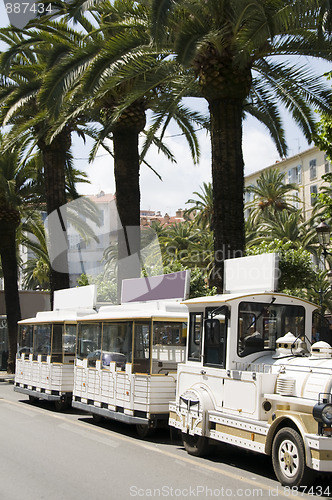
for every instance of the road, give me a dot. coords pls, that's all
(66, 456)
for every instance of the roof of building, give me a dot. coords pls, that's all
(102, 197)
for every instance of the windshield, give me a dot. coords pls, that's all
(260, 324)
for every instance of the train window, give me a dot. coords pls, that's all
(56, 356)
(195, 336)
(42, 341)
(25, 340)
(142, 348)
(69, 339)
(169, 333)
(117, 344)
(260, 324)
(215, 339)
(89, 342)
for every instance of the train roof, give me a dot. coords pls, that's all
(166, 309)
(229, 297)
(57, 316)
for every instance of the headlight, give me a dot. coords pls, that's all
(322, 412)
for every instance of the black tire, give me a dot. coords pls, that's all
(33, 399)
(198, 446)
(61, 405)
(288, 459)
(144, 430)
(97, 418)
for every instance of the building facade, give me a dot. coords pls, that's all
(87, 257)
(304, 169)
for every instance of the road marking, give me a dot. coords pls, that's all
(18, 409)
(150, 447)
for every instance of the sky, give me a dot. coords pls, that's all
(182, 179)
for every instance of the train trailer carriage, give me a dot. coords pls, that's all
(255, 377)
(46, 347)
(126, 363)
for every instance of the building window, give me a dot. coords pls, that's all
(327, 164)
(248, 197)
(312, 169)
(296, 203)
(313, 193)
(299, 174)
(73, 241)
(291, 177)
(295, 175)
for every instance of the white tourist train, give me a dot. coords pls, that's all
(47, 344)
(127, 359)
(251, 372)
(120, 362)
(254, 375)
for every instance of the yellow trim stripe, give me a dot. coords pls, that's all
(241, 433)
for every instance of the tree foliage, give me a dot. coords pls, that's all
(296, 267)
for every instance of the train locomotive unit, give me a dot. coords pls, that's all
(47, 344)
(254, 376)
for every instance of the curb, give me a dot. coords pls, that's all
(5, 377)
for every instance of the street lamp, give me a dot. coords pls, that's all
(323, 231)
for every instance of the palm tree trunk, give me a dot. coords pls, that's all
(54, 159)
(126, 171)
(12, 300)
(228, 183)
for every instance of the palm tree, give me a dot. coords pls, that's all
(23, 69)
(17, 187)
(176, 241)
(321, 292)
(233, 45)
(94, 73)
(272, 194)
(36, 269)
(202, 206)
(286, 227)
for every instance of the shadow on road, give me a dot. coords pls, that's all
(240, 459)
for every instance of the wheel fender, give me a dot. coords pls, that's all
(196, 402)
(280, 422)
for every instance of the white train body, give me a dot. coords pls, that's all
(127, 357)
(254, 377)
(47, 344)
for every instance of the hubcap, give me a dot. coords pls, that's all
(288, 458)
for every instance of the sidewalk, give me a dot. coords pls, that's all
(7, 377)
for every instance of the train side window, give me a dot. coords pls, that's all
(195, 336)
(89, 342)
(142, 348)
(25, 341)
(42, 341)
(56, 356)
(117, 344)
(215, 342)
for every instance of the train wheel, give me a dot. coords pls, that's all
(198, 446)
(288, 459)
(144, 430)
(97, 418)
(61, 405)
